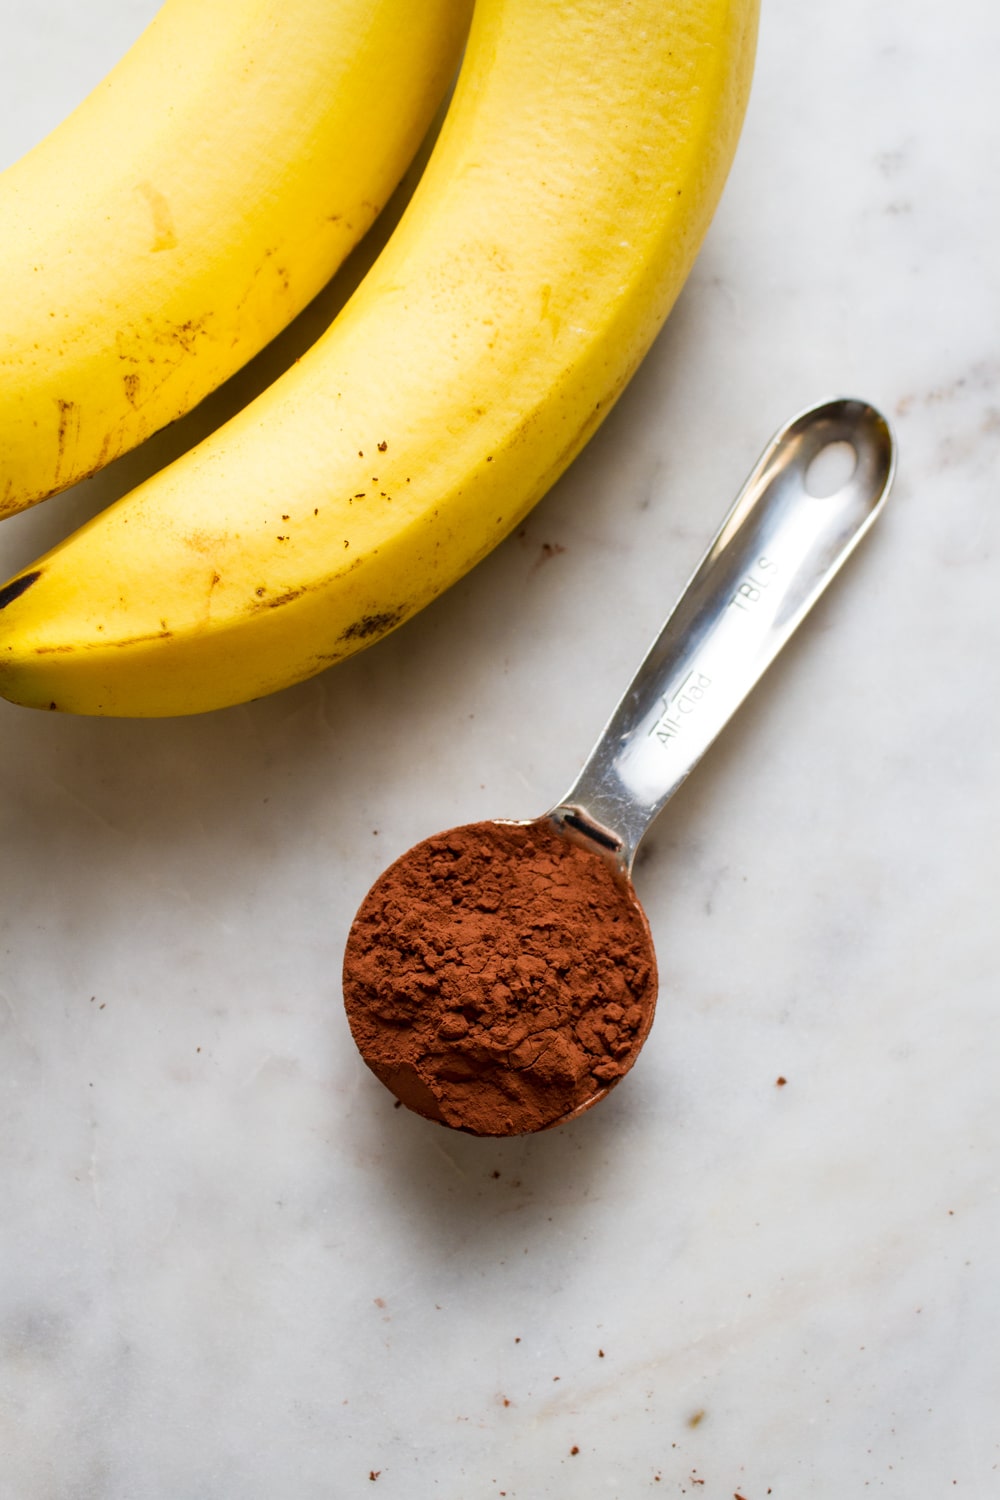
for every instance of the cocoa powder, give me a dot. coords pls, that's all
(499, 978)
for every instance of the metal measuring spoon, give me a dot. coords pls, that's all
(524, 1051)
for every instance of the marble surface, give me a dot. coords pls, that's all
(229, 1269)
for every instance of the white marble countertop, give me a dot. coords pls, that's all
(229, 1269)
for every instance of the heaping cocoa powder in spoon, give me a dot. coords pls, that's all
(499, 978)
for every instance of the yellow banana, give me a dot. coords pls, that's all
(191, 206)
(578, 168)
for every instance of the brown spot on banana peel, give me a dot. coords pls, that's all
(186, 334)
(17, 586)
(261, 602)
(118, 645)
(373, 625)
(138, 640)
(66, 411)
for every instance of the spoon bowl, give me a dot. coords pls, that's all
(500, 978)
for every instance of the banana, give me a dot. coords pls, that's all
(191, 206)
(579, 165)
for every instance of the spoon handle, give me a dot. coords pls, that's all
(785, 537)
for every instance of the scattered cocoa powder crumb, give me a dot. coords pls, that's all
(499, 978)
(780, 1082)
(574, 1450)
(374, 1473)
(600, 1353)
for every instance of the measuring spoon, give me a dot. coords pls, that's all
(458, 1059)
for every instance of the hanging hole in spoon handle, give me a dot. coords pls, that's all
(813, 494)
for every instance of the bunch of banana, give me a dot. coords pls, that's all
(176, 221)
(577, 170)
